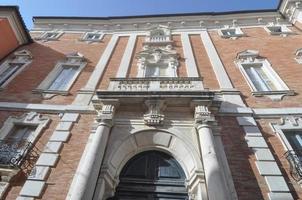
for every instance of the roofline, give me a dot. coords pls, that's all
(20, 19)
(158, 15)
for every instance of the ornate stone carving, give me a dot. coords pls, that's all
(105, 109)
(154, 116)
(203, 115)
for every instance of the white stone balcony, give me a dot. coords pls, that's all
(156, 84)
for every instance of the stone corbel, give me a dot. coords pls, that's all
(202, 115)
(154, 114)
(105, 109)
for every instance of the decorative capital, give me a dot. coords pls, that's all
(203, 115)
(154, 116)
(105, 110)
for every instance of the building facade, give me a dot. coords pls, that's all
(188, 106)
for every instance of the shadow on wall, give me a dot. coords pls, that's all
(20, 89)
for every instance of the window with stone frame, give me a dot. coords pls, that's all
(50, 35)
(260, 76)
(64, 74)
(289, 130)
(92, 37)
(17, 137)
(278, 29)
(13, 66)
(230, 32)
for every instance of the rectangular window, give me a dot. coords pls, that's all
(295, 140)
(93, 36)
(16, 145)
(51, 35)
(229, 32)
(9, 72)
(259, 77)
(156, 71)
(63, 79)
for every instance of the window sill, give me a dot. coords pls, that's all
(48, 94)
(91, 40)
(235, 36)
(274, 95)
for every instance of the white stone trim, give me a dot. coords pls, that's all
(23, 57)
(221, 75)
(251, 57)
(126, 59)
(86, 34)
(48, 108)
(284, 30)
(29, 119)
(72, 61)
(192, 70)
(238, 32)
(276, 112)
(43, 37)
(101, 65)
(286, 123)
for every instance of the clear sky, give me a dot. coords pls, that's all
(103, 8)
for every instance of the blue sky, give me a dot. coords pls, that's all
(101, 8)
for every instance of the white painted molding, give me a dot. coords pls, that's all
(100, 67)
(191, 66)
(47, 108)
(125, 62)
(221, 75)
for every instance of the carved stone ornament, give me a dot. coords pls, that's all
(105, 109)
(202, 114)
(154, 116)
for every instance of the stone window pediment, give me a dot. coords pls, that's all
(158, 35)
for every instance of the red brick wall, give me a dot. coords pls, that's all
(280, 53)
(249, 184)
(203, 63)
(61, 176)
(133, 64)
(114, 62)
(45, 57)
(8, 38)
(278, 151)
(181, 69)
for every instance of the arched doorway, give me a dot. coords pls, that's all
(152, 175)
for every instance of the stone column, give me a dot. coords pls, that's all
(216, 187)
(86, 176)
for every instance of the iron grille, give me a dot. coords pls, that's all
(295, 160)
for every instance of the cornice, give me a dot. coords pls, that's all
(12, 14)
(175, 22)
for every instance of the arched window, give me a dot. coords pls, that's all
(152, 175)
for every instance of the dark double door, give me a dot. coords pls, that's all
(152, 175)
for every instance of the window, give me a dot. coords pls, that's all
(278, 30)
(61, 78)
(92, 36)
(233, 32)
(12, 67)
(50, 35)
(17, 137)
(289, 130)
(260, 76)
(157, 71)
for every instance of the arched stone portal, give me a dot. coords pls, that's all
(152, 175)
